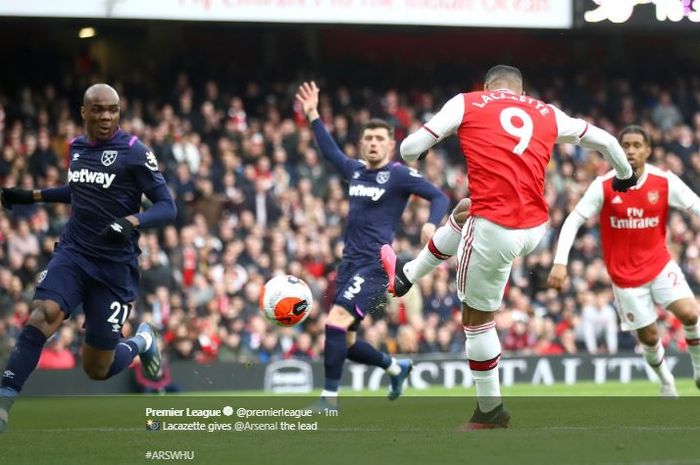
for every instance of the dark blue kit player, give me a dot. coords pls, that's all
(379, 190)
(96, 260)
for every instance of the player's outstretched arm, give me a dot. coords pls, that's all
(589, 206)
(307, 96)
(557, 276)
(605, 143)
(14, 195)
(445, 122)
(579, 132)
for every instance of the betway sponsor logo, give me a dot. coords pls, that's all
(359, 190)
(91, 177)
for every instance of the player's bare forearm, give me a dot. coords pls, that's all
(312, 115)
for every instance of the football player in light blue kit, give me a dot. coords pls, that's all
(379, 190)
(96, 260)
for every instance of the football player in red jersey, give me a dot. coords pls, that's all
(633, 236)
(507, 139)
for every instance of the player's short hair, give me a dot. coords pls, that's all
(636, 129)
(376, 123)
(503, 73)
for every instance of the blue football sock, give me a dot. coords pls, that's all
(361, 352)
(124, 354)
(334, 355)
(23, 358)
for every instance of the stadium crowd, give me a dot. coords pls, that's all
(256, 198)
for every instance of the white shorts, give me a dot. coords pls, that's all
(635, 305)
(485, 257)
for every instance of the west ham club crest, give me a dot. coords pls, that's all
(108, 157)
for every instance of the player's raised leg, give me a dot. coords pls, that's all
(686, 310)
(654, 355)
(398, 370)
(45, 319)
(439, 248)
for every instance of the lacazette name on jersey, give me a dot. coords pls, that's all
(496, 96)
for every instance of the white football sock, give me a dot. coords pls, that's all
(692, 337)
(439, 248)
(394, 369)
(145, 343)
(483, 352)
(327, 394)
(654, 355)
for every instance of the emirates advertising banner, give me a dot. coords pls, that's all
(550, 14)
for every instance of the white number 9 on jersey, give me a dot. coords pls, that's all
(523, 132)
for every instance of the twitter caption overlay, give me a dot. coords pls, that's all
(231, 419)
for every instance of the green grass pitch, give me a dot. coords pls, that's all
(610, 424)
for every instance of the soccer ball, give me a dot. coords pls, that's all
(286, 300)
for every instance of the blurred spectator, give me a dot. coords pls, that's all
(598, 324)
(57, 354)
(666, 114)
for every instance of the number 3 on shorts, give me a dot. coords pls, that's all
(355, 288)
(120, 312)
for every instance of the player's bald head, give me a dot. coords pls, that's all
(100, 111)
(100, 92)
(504, 77)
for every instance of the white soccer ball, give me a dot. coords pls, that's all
(286, 300)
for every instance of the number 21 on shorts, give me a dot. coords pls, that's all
(523, 132)
(120, 312)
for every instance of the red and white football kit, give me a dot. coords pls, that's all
(633, 238)
(507, 141)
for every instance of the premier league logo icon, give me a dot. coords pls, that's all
(152, 425)
(383, 177)
(108, 157)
